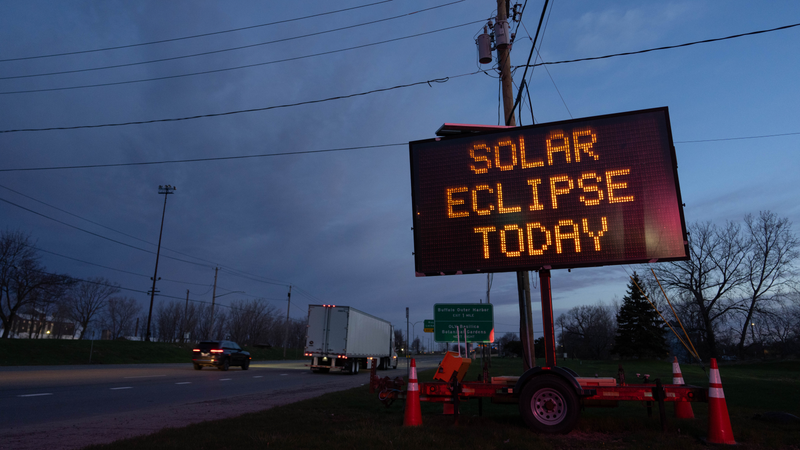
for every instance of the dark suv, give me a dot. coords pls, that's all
(220, 354)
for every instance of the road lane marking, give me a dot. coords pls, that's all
(259, 376)
(225, 379)
(184, 382)
(119, 388)
(284, 374)
(35, 395)
(146, 376)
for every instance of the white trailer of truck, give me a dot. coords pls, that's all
(342, 338)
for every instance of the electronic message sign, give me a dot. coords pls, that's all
(586, 192)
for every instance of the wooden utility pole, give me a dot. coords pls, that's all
(286, 334)
(523, 282)
(504, 61)
(213, 299)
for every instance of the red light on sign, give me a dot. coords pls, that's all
(586, 192)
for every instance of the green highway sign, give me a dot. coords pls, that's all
(428, 326)
(476, 318)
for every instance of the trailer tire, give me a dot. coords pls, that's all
(549, 405)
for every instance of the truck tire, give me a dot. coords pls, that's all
(384, 364)
(549, 405)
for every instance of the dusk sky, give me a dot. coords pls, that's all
(315, 191)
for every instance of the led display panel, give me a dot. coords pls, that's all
(586, 192)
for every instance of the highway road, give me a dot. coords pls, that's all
(39, 398)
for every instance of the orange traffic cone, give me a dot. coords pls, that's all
(683, 410)
(413, 415)
(719, 423)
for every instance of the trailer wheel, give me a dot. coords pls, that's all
(549, 405)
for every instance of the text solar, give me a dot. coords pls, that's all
(584, 192)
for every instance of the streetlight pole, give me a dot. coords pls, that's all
(166, 190)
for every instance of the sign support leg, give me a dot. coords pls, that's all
(525, 319)
(547, 319)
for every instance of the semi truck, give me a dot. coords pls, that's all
(341, 338)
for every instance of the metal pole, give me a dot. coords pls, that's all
(286, 334)
(547, 320)
(166, 190)
(408, 366)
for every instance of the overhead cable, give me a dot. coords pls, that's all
(241, 111)
(96, 234)
(219, 158)
(246, 66)
(668, 47)
(78, 52)
(212, 52)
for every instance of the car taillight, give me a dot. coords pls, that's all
(196, 350)
(216, 351)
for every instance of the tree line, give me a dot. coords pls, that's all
(35, 302)
(736, 296)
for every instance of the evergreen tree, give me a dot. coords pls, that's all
(640, 333)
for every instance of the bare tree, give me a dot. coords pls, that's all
(715, 270)
(250, 321)
(167, 321)
(588, 331)
(780, 326)
(87, 299)
(399, 340)
(23, 280)
(119, 316)
(769, 267)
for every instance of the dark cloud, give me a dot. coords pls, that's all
(338, 225)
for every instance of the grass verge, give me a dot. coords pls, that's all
(356, 419)
(32, 352)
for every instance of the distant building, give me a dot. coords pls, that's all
(37, 325)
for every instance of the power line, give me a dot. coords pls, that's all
(230, 270)
(439, 80)
(117, 286)
(219, 158)
(303, 152)
(212, 52)
(241, 111)
(78, 52)
(246, 66)
(96, 234)
(115, 269)
(706, 41)
(737, 138)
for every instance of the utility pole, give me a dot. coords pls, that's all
(408, 367)
(503, 39)
(286, 334)
(166, 190)
(214, 298)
